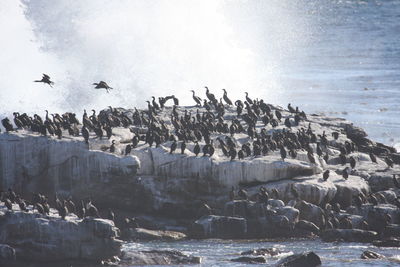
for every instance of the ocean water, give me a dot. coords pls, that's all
(220, 252)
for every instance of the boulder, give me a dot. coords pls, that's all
(391, 242)
(310, 212)
(48, 238)
(141, 234)
(212, 226)
(371, 255)
(157, 257)
(262, 252)
(309, 259)
(348, 235)
(307, 226)
(7, 254)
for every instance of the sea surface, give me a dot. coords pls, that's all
(220, 252)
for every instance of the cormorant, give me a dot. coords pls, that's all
(196, 149)
(45, 79)
(352, 162)
(325, 175)
(196, 99)
(226, 98)
(173, 147)
(102, 85)
(112, 147)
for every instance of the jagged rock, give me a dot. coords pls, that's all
(262, 252)
(307, 226)
(309, 259)
(218, 227)
(371, 255)
(391, 242)
(7, 254)
(157, 257)
(348, 235)
(47, 238)
(145, 235)
(310, 212)
(289, 212)
(250, 259)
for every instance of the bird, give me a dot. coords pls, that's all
(352, 162)
(372, 157)
(395, 181)
(196, 99)
(345, 173)
(45, 79)
(389, 162)
(183, 147)
(196, 149)
(110, 215)
(283, 153)
(102, 85)
(173, 147)
(112, 147)
(226, 98)
(325, 175)
(243, 194)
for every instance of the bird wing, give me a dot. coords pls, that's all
(46, 76)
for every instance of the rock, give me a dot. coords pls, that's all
(392, 230)
(157, 257)
(310, 212)
(289, 212)
(371, 255)
(212, 226)
(307, 226)
(262, 252)
(348, 235)
(309, 259)
(48, 238)
(250, 259)
(391, 242)
(7, 254)
(146, 235)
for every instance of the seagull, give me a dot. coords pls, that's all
(45, 79)
(102, 85)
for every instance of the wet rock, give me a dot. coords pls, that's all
(212, 226)
(7, 254)
(307, 226)
(310, 212)
(371, 255)
(49, 238)
(157, 257)
(348, 235)
(309, 259)
(254, 260)
(392, 230)
(391, 242)
(289, 212)
(147, 235)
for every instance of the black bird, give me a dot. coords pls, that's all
(311, 157)
(226, 98)
(325, 176)
(8, 203)
(335, 135)
(91, 210)
(112, 147)
(395, 181)
(183, 147)
(248, 99)
(102, 85)
(173, 147)
(372, 157)
(40, 208)
(7, 125)
(196, 99)
(196, 149)
(345, 173)
(352, 162)
(240, 154)
(343, 159)
(81, 212)
(45, 79)
(283, 153)
(389, 162)
(128, 149)
(85, 134)
(63, 211)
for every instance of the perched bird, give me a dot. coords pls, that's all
(325, 175)
(283, 153)
(372, 157)
(112, 147)
(110, 215)
(389, 162)
(352, 162)
(196, 149)
(102, 85)
(45, 79)
(183, 147)
(395, 181)
(243, 194)
(345, 173)
(173, 147)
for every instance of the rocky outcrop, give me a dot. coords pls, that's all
(141, 234)
(157, 257)
(349, 235)
(49, 238)
(371, 255)
(7, 254)
(219, 227)
(309, 259)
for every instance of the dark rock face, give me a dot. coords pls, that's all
(392, 242)
(250, 259)
(212, 226)
(309, 259)
(157, 257)
(7, 254)
(47, 238)
(371, 255)
(146, 235)
(348, 235)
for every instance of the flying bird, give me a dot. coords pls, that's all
(102, 85)
(45, 79)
